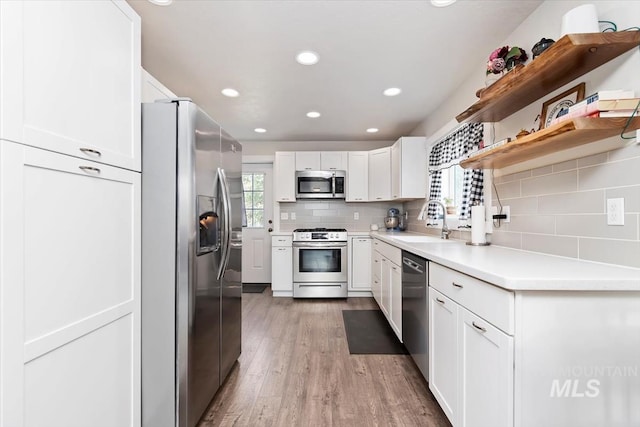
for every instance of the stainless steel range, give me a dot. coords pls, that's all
(320, 263)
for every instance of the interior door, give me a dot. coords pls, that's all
(256, 255)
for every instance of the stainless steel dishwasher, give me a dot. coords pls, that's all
(415, 316)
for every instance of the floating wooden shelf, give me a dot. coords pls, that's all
(561, 136)
(567, 59)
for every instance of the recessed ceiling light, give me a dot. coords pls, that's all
(260, 130)
(313, 114)
(442, 3)
(162, 2)
(392, 91)
(307, 58)
(231, 93)
(372, 130)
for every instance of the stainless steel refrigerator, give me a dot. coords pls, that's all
(191, 261)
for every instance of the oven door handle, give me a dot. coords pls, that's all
(321, 245)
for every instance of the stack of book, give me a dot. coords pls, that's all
(605, 103)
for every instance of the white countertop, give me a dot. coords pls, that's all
(515, 269)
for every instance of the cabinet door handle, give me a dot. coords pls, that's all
(89, 169)
(439, 300)
(457, 285)
(91, 151)
(282, 249)
(480, 328)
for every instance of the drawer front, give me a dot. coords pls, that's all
(494, 304)
(281, 240)
(388, 251)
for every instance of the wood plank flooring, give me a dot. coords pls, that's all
(296, 370)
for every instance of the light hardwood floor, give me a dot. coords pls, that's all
(296, 370)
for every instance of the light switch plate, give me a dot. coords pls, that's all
(356, 215)
(615, 211)
(284, 216)
(293, 216)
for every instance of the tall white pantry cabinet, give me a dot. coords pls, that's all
(69, 214)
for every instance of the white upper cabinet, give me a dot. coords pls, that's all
(70, 78)
(380, 176)
(307, 160)
(321, 160)
(284, 176)
(409, 168)
(358, 176)
(333, 160)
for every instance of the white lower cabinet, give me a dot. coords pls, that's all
(376, 275)
(281, 266)
(471, 361)
(443, 352)
(389, 295)
(360, 256)
(486, 373)
(70, 284)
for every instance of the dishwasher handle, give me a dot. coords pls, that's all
(412, 265)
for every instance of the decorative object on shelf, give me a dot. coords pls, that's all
(501, 60)
(541, 46)
(515, 56)
(581, 19)
(557, 105)
(523, 132)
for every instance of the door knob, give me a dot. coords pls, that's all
(270, 222)
(270, 229)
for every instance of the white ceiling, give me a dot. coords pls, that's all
(198, 47)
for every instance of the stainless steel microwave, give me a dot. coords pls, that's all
(320, 184)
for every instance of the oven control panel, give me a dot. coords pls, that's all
(320, 235)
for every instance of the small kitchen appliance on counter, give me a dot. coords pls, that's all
(320, 263)
(394, 221)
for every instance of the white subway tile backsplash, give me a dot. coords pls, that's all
(508, 190)
(561, 209)
(533, 224)
(593, 160)
(521, 206)
(565, 166)
(616, 174)
(596, 226)
(631, 196)
(566, 203)
(622, 252)
(512, 177)
(554, 245)
(563, 182)
(542, 171)
(630, 151)
(506, 238)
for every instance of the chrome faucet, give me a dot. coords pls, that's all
(445, 230)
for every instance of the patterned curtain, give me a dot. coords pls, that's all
(447, 153)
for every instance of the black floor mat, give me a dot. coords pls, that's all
(368, 332)
(251, 288)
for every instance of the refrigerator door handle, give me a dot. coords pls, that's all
(226, 212)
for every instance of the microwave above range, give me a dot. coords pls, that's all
(320, 184)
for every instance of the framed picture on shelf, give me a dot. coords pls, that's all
(552, 107)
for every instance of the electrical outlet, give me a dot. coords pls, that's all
(356, 215)
(506, 210)
(293, 216)
(284, 216)
(615, 211)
